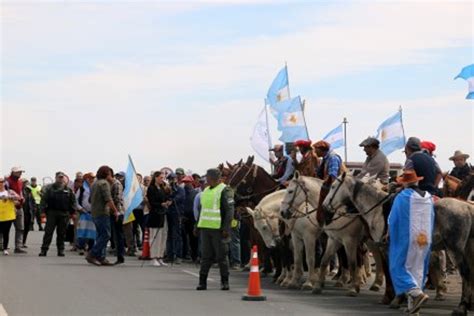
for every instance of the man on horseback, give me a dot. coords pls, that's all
(411, 222)
(461, 168)
(308, 163)
(283, 166)
(329, 170)
(376, 163)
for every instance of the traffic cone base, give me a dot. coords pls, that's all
(146, 246)
(254, 292)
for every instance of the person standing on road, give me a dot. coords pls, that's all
(35, 189)
(116, 190)
(9, 201)
(14, 183)
(58, 202)
(102, 207)
(217, 212)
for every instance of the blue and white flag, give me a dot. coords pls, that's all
(260, 137)
(467, 73)
(279, 90)
(335, 137)
(133, 194)
(291, 120)
(391, 134)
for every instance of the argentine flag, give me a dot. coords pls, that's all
(467, 73)
(133, 195)
(291, 120)
(279, 90)
(391, 134)
(260, 137)
(335, 137)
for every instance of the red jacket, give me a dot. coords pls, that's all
(17, 186)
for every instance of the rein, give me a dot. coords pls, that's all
(296, 212)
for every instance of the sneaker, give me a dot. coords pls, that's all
(106, 262)
(119, 261)
(93, 260)
(5, 252)
(42, 254)
(156, 263)
(177, 260)
(417, 302)
(162, 263)
(18, 250)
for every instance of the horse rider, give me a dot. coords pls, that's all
(424, 165)
(461, 168)
(282, 166)
(214, 224)
(308, 162)
(329, 169)
(410, 223)
(376, 164)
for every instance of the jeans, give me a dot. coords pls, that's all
(102, 226)
(235, 246)
(174, 244)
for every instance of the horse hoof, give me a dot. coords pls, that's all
(352, 293)
(459, 311)
(339, 284)
(439, 297)
(374, 288)
(307, 286)
(293, 286)
(317, 291)
(385, 300)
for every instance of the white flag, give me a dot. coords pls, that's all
(259, 138)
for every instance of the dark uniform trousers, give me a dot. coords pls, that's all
(213, 248)
(55, 220)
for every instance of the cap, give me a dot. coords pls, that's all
(179, 171)
(428, 146)
(120, 174)
(303, 143)
(17, 169)
(60, 174)
(370, 141)
(171, 176)
(413, 143)
(188, 179)
(213, 173)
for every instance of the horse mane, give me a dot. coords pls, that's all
(465, 187)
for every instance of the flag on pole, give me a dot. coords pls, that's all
(133, 194)
(291, 120)
(467, 73)
(279, 90)
(335, 137)
(260, 137)
(391, 134)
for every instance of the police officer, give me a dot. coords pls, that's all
(217, 212)
(58, 202)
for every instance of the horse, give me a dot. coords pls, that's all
(342, 231)
(453, 229)
(304, 233)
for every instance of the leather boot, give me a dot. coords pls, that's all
(202, 283)
(224, 283)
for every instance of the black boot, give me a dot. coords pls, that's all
(202, 283)
(43, 253)
(224, 283)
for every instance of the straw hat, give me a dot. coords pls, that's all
(459, 154)
(408, 176)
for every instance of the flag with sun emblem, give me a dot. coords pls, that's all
(279, 89)
(291, 120)
(133, 194)
(391, 134)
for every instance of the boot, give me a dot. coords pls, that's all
(43, 253)
(224, 283)
(202, 283)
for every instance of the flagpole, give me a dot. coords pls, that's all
(269, 139)
(303, 106)
(345, 121)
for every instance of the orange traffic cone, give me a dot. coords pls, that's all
(43, 218)
(146, 246)
(254, 292)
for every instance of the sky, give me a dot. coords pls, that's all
(181, 83)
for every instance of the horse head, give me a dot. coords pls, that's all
(296, 194)
(267, 226)
(251, 182)
(340, 193)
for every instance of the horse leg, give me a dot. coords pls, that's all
(378, 282)
(343, 268)
(352, 249)
(298, 269)
(389, 294)
(436, 274)
(277, 262)
(331, 249)
(309, 244)
(465, 264)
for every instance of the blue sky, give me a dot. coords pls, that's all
(181, 84)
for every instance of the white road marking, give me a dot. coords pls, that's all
(3, 312)
(190, 273)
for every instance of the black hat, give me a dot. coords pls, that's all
(370, 141)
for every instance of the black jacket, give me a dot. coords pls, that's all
(155, 197)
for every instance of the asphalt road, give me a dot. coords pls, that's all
(30, 285)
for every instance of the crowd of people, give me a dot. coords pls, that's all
(187, 214)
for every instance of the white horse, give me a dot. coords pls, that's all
(304, 233)
(344, 230)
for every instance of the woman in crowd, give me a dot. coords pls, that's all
(158, 197)
(8, 201)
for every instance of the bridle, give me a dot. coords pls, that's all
(275, 233)
(251, 170)
(296, 213)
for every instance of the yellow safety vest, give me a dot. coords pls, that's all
(7, 210)
(210, 208)
(35, 192)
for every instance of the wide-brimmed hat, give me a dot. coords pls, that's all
(408, 176)
(459, 154)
